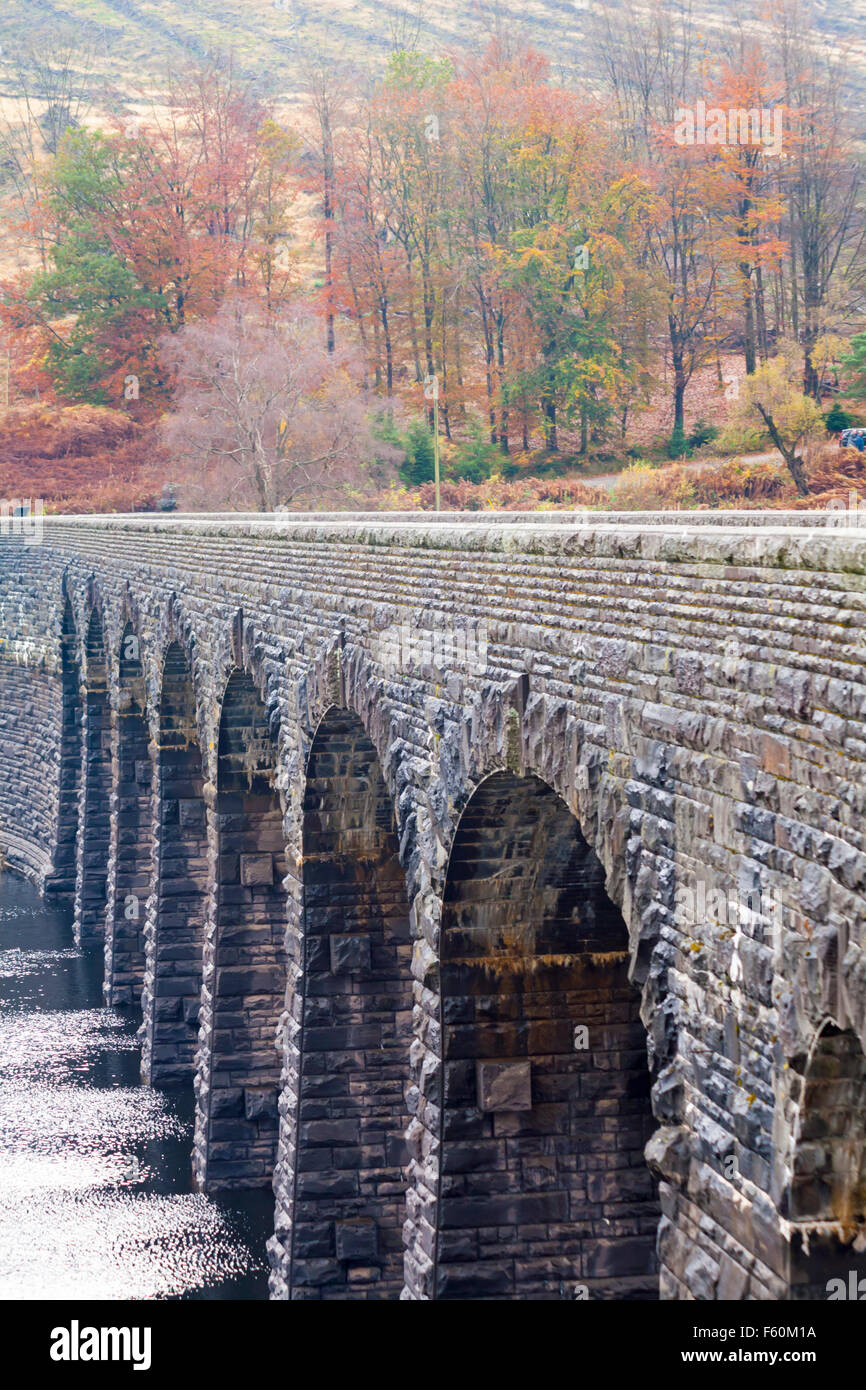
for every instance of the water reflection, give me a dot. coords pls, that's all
(95, 1192)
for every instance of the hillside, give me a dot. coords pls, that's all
(272, 39)
(134, 40)
(449, 263)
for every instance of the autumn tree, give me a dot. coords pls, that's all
(854, 364)
(493, 97)
(820, 182)
(651, 58)
(94, 315)
(367, 262)
(52, 95)
(574, 256)
(789, 416)
(156, 219)
(266, 416)
(328, 88)
(743, 190)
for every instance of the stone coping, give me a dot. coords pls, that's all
(820, 541)
(582, 519)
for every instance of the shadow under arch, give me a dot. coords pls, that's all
(249, 959)
(60, 886)
(349, 1203)
(177, 912)
(826, 1199)
(131, 842)
(95, 790)
(545, 1110)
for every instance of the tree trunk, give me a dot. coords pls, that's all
(443, 356)
(413, 326)
(749, 319)
(428, 304)
(761, 315)
(488, 361)
(389, 351)
(458, 359)
(328, 206)
(679, 392)
(797, 471)
(500, 364)
(811, 305)
(359, 317)
(793, 463)
(548, 407)
(680, 379)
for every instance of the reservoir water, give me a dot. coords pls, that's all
(96, 1199)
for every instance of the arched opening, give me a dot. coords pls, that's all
(357, 1012)
(544, 1192)
(131, 838)
(95, 793)
(177, 913)
(827, 1196)
(61, 885)
(249, 954)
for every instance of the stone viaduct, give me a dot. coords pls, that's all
(498, 883)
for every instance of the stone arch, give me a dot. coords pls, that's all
(131, 840)
(349, 1201)
(61, 884)
(339, 677)
(512, 727)
(245, 978)
(825, 1204)
(173, 625)
(95, 786)
(177, 909)
(544, 1086)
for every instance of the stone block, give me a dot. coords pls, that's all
(191, 813)
(504, 1086)
(227, 1101)
(350, 955)
(260, 1102)
(357, 1240)
(257, 870)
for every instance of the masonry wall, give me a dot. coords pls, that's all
(31, 715)
(694, 695)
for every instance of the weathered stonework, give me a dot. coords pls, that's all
(381, 897)
(244, 971)
(130, 852)
(176, 908)
(95, 785)
(547, 1145)
(356, 1026)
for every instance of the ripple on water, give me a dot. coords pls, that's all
(60, 1044)
(38, 1118)
(15, 963)
(42, 1040)
(95, 1197)
(18, 909)
(108, 1245)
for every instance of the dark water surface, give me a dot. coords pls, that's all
(96, 1199)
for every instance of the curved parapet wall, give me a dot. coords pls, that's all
(620, 768)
